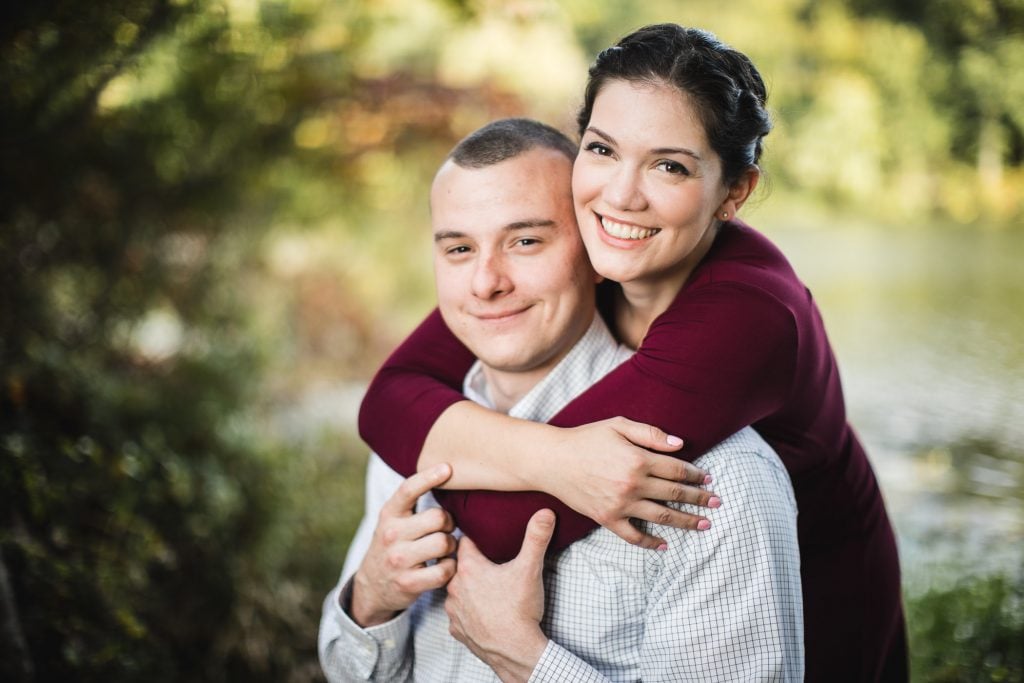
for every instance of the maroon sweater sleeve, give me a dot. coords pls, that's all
(719, 359)
(418, 382)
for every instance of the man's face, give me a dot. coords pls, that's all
(513, 281)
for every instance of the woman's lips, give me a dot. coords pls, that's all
(625, 231)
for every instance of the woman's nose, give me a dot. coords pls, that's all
(623, 190)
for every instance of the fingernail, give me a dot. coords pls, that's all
(674, 441)
(707, 478)
(714, 502)
(703, 525)
(663, 546)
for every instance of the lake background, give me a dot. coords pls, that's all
(929, 331)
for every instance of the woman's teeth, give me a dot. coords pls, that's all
(626, 232)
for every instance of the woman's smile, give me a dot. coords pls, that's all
(624, 231)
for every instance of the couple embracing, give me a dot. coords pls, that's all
(558, 524)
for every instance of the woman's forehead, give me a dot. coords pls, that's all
(652, 113)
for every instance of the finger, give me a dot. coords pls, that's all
(438, 575)
(657, 513)
(661, 489)
(630, 534)
(404, 499)
(538, 534)
(670, 467)
(422, 579)
(467, 550)
(646, 436)
(435, 546)
(425, 522)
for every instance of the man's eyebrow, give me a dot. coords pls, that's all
(686, 151)
(448, 235)
(526, 224)
(531, 223)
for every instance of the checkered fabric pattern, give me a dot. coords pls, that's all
(719, 605)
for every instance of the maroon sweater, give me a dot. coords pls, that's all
(742, 344)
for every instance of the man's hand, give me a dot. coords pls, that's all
(607, 471)
(394, 572)
(507, 638)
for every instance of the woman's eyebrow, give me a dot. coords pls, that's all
(597, 131)
(686, 151)
(677, 150)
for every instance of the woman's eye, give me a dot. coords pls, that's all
(673, 167)
(599, 148)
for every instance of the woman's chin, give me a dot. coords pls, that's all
(616, 270)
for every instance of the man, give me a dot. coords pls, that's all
(515, 286)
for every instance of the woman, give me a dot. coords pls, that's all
(726, 335)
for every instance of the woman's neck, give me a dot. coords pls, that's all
(640, 301)
(637, 306)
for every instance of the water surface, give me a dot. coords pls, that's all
(928, 327)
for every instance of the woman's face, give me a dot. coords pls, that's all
(647, 186)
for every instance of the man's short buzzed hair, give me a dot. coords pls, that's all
(507, 138)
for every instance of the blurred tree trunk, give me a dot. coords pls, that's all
(990, 153)
(15, 663)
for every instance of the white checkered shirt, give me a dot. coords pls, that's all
(718, 605)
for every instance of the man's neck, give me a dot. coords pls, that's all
(505, 389)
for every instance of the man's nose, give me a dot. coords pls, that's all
(624, 189)
(490, 277)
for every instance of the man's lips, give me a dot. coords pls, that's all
(498, 316)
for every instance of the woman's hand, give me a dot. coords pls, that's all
(607, 471)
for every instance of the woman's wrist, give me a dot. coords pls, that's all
(539, 453)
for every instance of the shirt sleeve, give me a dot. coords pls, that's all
(347, 651)
(558, 664)
(720, 358)
(351, 653)
(731, 597)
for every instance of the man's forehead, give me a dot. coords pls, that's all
(523, 193)
(528, 171)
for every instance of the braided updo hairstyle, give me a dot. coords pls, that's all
(723, 85)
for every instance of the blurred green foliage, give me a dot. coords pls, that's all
(972, 631)
(209, 209)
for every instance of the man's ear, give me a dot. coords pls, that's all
(740, 192)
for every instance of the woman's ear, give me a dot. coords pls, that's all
(740, 192)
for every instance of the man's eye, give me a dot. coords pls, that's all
(461, 249)
(527, 241)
